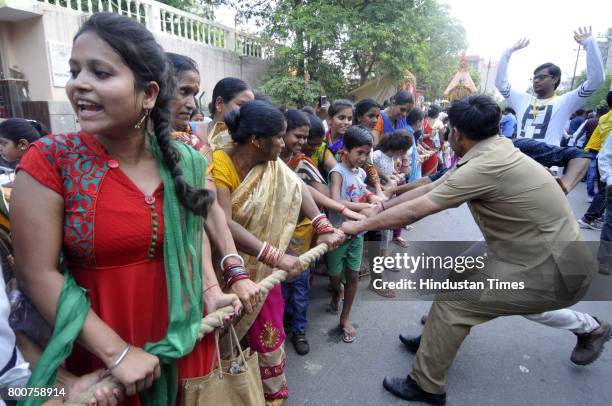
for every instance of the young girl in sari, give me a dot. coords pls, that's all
(263, 198)
(112, 251)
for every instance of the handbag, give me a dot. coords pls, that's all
(234, 382)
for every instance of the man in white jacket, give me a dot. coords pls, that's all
(541, 118)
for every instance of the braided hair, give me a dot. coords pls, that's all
(148, 62)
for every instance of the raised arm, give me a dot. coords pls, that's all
(501, 79)
(595, 70)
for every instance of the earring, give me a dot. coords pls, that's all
(140, 122)
(23, 148)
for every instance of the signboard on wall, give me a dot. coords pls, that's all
(59, 55)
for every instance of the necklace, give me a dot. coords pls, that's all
(534, 112)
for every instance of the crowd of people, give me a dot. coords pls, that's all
(154, 215)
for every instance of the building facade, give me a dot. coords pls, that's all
(36, 41)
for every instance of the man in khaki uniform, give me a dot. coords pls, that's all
(532, 237)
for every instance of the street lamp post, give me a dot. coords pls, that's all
(575, 66)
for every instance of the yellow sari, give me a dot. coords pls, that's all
(266, 203)
(219, 137)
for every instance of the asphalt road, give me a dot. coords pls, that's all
(508, 361)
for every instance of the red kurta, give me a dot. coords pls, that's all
(113, 245)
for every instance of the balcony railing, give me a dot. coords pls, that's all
(160, 18)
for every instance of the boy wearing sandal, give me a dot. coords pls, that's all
(347, 180)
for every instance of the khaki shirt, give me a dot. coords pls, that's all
(519, 207)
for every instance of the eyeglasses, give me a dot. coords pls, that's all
(540, 77)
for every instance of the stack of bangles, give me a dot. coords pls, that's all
(269, 255)
(233, 272)
(322, 225)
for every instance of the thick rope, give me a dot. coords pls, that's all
(212, 321)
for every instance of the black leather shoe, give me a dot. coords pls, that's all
(408, 389)
(300, 343)
(411, 343)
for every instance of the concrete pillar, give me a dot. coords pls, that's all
(153, 17)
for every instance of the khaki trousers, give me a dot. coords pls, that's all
(449, 322)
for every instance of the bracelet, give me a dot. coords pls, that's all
(271, 255)
(211, 286)
(314, 220)
(228, 256)
(263, 247)
(236, 278)
(322, 225)
(234, 272)
(119, 360)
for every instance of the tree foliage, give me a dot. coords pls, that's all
(203, 8)
(475, 75)
(599, 97)
(341, 44)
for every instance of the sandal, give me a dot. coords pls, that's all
(347, 337)
(388, 293)
(363, 271)
(409, 227)
(401, 242)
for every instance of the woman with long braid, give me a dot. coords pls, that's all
(112, 250)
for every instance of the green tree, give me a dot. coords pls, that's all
(327, 41)
(292, 91)
(475, 75)
(203, 8)
(599, 97)
(445, 40)
(382, 37)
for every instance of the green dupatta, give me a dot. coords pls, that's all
(183, 236)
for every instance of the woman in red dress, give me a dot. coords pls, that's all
(121, 213)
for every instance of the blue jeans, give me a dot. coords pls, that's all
(598, 205)
(296, 294)
(604, 254)
(592, 175)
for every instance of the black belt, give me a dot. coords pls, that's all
(593, 151)
(11, 362)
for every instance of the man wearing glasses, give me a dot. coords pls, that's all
(541, 118)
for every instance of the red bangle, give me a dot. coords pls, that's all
(236, 278)
(322, 225)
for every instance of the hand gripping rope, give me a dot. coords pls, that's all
(212, 321)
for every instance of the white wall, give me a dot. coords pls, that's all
(28, 48)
